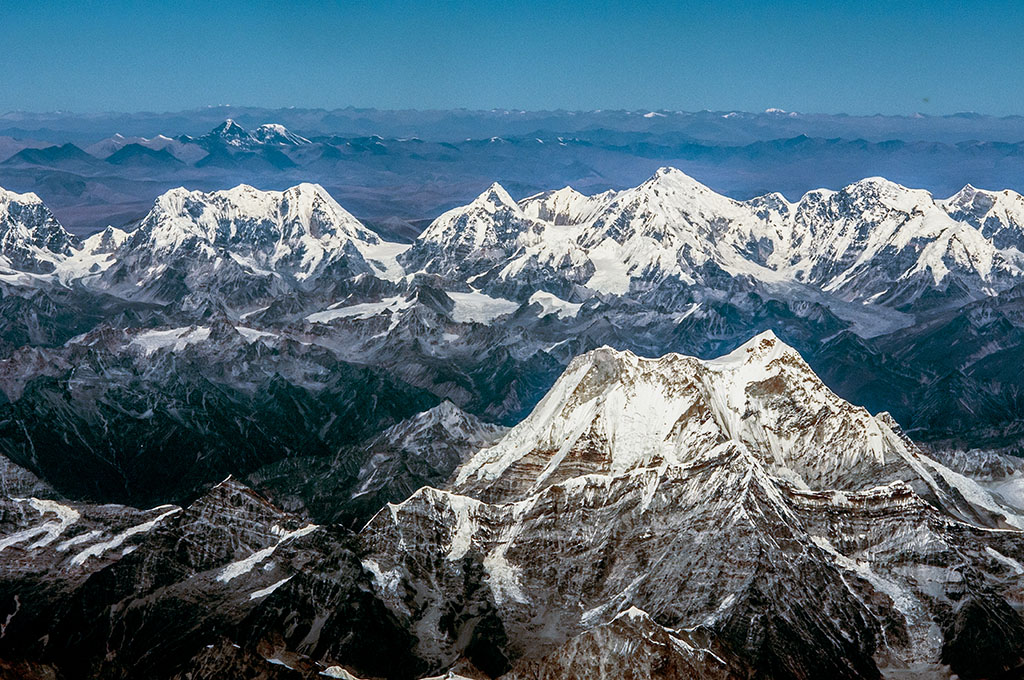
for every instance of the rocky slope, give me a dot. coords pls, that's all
(652, 518)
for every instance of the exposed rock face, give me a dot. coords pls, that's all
(631, 645)
(228, 584)
(353, 485)
(154, 416)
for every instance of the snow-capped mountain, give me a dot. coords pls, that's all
(688, 496)
(230, 134)
(873, 241)
(999, 215)
(244, 241)
(275, 133)
(476, 236)
(31, 238)
(719, 519)
(565, 206)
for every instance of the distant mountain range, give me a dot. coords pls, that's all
(399, 170)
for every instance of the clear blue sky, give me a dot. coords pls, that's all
(857, 57)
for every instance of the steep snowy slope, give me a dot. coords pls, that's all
(467, 240)
(275, 133)
(873, 241)
(242, 243)
(31, 238)
(776, 530)
(999, 215)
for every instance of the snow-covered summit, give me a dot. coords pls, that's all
(873, 241)
(998, 215)
(246, 215)
(613, 412)
(230, 133)
(485, 229)
(293, 235)
(31, 238)
(564, 206)
(275, 133)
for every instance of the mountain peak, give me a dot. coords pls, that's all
(674, 176)
(294, 235)
(229, 133)
(495, 195)
(229, 125)
(31, 238)
(612, 412)
(676, 189)
(890, 192)
(761, 349)
(275, 133)
(7, 197)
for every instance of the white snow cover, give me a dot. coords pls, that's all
(27, 226)
(275, 133)
(565, 206)
(999, 215)
(263, 592)
(634, 413)
(174, 339)
(473, 226)
(475, 306)
(339, 672)
(245, 565)
(295, 233)
(552, 304)
(363, 310)
(857, 242)
(63, 516)
(97, 549)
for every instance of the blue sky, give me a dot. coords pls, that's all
(834, 57)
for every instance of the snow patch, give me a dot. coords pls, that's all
(99, 548)
(475, 307)
(244, 566)
(263, 592)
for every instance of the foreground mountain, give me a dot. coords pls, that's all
(110, 591)
(758, 524)
(651, 518)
